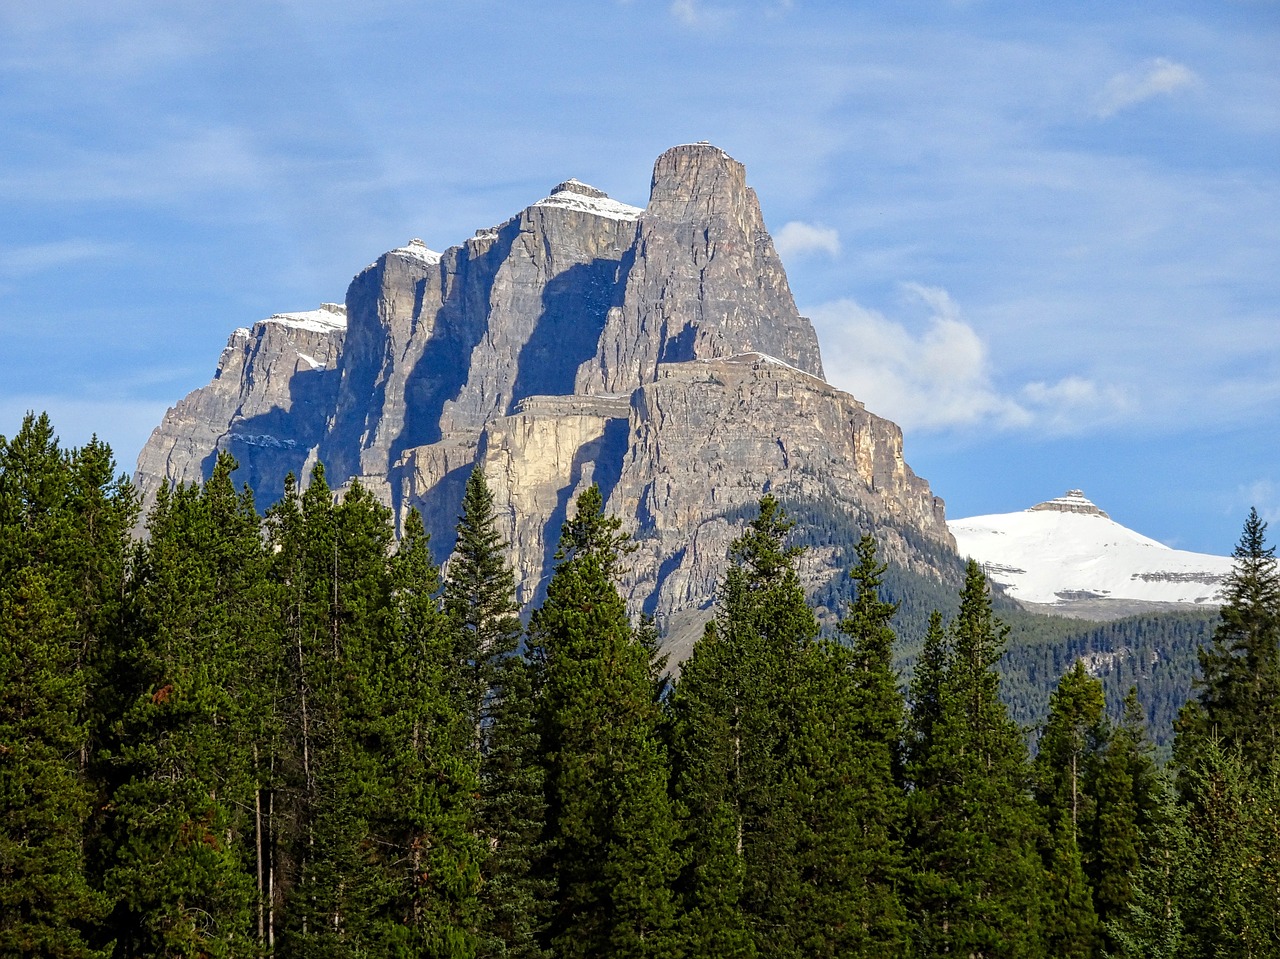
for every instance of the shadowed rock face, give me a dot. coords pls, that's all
(657, 352)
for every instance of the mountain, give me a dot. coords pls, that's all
(657, 352)
(1068, 554)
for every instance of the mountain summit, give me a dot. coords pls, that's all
(1068, 553)
(657, 352)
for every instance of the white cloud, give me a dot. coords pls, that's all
(18, 261)
(1264, 496)
(797, 239)
(940, 377)
(693, 13)
(1158, 77)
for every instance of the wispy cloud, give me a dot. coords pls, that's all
(123, 423)
(797, 239)
(16, 261)
(1155, 78)
(695, 13)
(1264, 496)
(939, 375)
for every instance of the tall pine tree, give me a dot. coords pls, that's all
(496, 695)
(1238, 697)
(979, 884)
(1073, 736)
(609, 818)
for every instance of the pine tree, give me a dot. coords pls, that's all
(1238, 698)
(785, 748)
(609, 819)
(1131, 808)
(333, 568)
(979, 883)
(183, 848)
(496, 695)
(1230, 898)
(871, 730)
(479, 598)
(46, 905)
(424, 825)
(708, 725)
(1073, 736)
(64, 521)
(1148, 922)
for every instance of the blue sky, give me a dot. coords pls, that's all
(1045, 238)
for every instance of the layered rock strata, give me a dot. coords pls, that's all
(657, 352)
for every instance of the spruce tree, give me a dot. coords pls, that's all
(1132, 810)
(609, 820)
(64, 522)
(1238, 695)
(46, 905)
(785, 748)
(332, 562)
(1074, 734)
(1230, 898)
(423, 825)
(183, 852)
(979, 883)
(496, 696)
(479, 598)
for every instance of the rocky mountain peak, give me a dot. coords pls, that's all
(656, 352)
(700, 179)
(573, 185)
(1073, 501)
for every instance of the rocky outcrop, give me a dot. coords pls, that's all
(657, 352)
(269, 405)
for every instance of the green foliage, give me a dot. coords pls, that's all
(181, 844)
(496, 697)
(1233, 862)
(979, 887)
(45, 901)
(1072, 737)
(291, 740)
(609, 821)
(1238, 695)
(64, 521)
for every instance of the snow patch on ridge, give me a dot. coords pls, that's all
(582, 198)
(418, 250)
(327, 319)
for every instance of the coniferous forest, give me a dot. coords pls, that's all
(291, 735)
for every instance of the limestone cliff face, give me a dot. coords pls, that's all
(657, 352)
(705, 280)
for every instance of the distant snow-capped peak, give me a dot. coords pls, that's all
(1066, 550)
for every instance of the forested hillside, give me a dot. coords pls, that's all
(291, 735)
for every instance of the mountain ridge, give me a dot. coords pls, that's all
(657, 352)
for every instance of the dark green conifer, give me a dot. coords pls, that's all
(979, 883)
(64, 522)
(1073, 736)
(46, 905)
(1238, 695)
(1131, 808)
(424, 825)
(609, 819)
(1230, 898)
(496, 696)
(185, 803)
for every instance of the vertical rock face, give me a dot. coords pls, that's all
(268, 404)
(705, 280)
(656, 352)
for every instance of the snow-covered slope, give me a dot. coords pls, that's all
(1066, 551)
